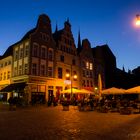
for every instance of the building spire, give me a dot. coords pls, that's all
(79, 40)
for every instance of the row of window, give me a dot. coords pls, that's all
(44, 36)
(88, 74)
(87, 65)
(42, 52)
(22, 52)
(68, 76)
(62, 59)
(6, 63)
(5, 75)
(67, 49)
(87, 83)
(22, 69)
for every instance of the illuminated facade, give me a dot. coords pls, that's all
(5, 73)
(45, 63)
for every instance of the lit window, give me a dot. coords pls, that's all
(87, 65)
(91, 66)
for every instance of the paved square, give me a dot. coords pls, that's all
(51, 123)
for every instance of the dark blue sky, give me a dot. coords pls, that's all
(101, 21)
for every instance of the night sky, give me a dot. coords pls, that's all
(101, 21)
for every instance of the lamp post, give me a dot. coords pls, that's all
(70, 76)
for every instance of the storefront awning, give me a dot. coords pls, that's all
(17, 87)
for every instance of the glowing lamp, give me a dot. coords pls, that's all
(137, 20)
(67, 75)
(75, 76)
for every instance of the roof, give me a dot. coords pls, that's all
(57, 35)
(9, 51)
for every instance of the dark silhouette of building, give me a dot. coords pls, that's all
(107, 60)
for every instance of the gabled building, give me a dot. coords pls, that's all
(45, 63)
(86, 64)
(66, 59)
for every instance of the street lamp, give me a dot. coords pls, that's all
(137, 21)
(71, 76)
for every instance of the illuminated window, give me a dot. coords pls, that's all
(87, 65)
(91, 66)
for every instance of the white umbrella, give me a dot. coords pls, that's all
(85, 91)
(113, 91)
(73, 91)
(133, 90)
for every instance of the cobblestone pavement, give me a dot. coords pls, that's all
(51, 123)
